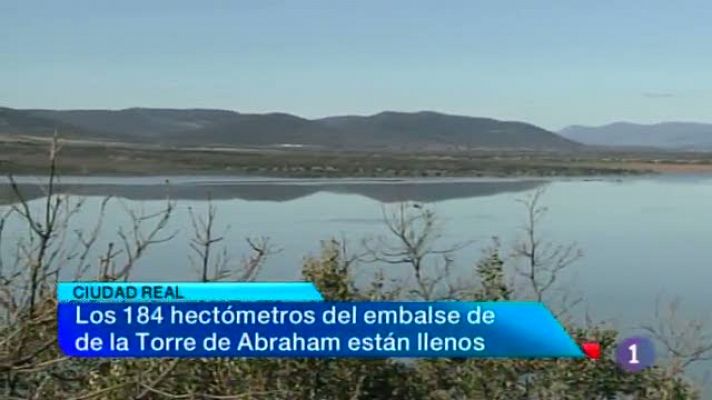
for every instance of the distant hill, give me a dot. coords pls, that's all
(666, 135)
(19, 122)
(446, 131)
(199, 127)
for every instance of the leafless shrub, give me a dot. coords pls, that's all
(147, 229)
(684, 341)
(43, 227)
(414, 233)
(217, 264)
(540, 261)
(86, 241)
(202, 243)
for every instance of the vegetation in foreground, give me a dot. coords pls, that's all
(32, 367)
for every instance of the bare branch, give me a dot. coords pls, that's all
(414, 232)
(685, 341)
(544, 261)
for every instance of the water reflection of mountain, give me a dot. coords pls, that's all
(383, 191)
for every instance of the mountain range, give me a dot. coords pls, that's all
(425, 130)
(666, 135)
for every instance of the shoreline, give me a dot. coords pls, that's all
(24, 158)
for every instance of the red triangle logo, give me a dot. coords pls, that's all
(592, 350)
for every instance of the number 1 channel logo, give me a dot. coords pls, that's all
(636, 353)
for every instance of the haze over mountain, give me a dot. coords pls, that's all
(201, 127)
(665, 135)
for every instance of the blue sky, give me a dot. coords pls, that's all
(549, 62)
